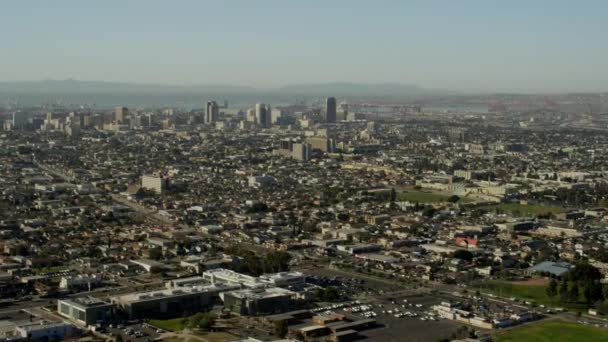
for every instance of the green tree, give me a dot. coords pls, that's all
(463, 254)
(429, 212)
(453, 199)
(393, 195)
(552, 288)
(584, 272)
(328, 294)
(563, 291)
(280, 328)
(202, 320)
(605, 291)
(155, 253)
(593, 292)
(573, 293)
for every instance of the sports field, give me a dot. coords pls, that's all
(532, 291)
(524, 209)
(553, 331)
(427, 197)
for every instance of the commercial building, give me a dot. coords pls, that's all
(330, 110)
(295, 280)
(85, 310)
(260, 181)
(46, 331)
(211, 112)
(262, 115)
(321, 143)
(120, 113)
(275, 116)
(169, 302)
(19, 119)
(226, 276)
(259, 301)
(301, 151)
(155, 183)
(80, 281)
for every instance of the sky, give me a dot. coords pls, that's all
(466, 45)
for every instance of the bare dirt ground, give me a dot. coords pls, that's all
(535, 281)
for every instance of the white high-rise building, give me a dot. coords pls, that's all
(155, 183)
(211, 112)
(120, 113)
(275, 116)
(262, 115)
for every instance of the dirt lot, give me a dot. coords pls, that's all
(535, 281)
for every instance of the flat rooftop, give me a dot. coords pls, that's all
(170, 293)
(261, 293)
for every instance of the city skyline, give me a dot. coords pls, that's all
(476, 47)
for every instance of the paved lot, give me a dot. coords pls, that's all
(135, 333)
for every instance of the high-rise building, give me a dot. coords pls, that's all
(120, 113)
(135, 121)
(320, 143)
(154, 182)
(330, 109)
(275, 116)
(211, 112)
(262, 115)
(301, 151)
(19, 120)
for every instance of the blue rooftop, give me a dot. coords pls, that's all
(555, 268)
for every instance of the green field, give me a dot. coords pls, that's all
(553, 331)
(531, 293)
(175, 324)
(523, 209)
(426, 197)
(50, 269)
(206, 337)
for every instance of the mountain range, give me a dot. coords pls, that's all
(56, 87)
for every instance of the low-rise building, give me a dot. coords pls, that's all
(85, 310)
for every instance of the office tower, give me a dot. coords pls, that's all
(120, 113)
(135, 121)
(342, 112)
(371, 127)
(250, 117)
(320, 143)
(275, 116)
(154, 182)
(301, 151)
(262, 115)
(330, 109)
(19, 120)
(211, 112)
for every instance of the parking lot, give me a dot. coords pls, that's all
(135, 333)
(404, 318)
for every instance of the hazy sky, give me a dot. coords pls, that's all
(486, 45)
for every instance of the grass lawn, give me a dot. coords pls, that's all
(528, 292)
(426, 197)
(51, 269)
(175, 324)
(525, 210)
(553, 331)
(218, 336)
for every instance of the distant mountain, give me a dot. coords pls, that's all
(99, 87)
(74, 87)
(358, 89)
